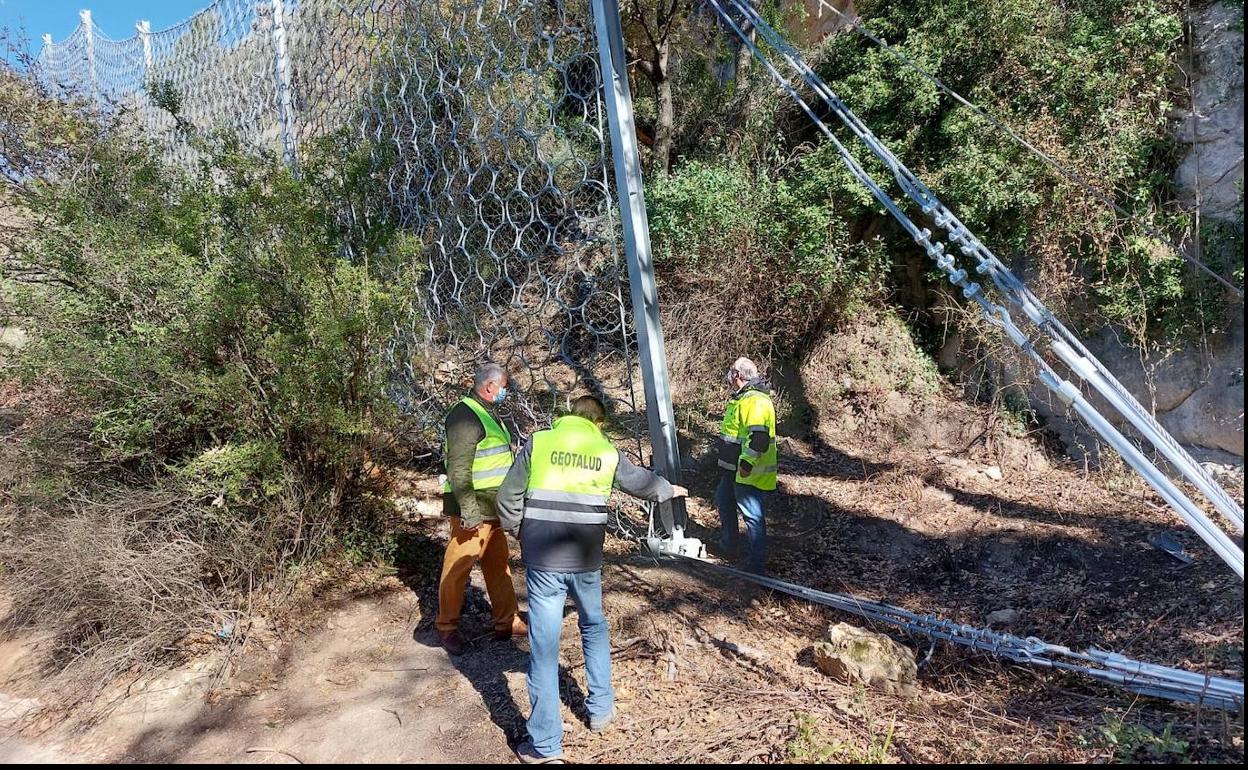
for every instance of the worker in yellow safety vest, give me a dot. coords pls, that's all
(556, 496)
(478, 454)
(748, 461)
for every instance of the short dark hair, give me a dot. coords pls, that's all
(591, 408)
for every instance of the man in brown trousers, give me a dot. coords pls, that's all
(478, 455)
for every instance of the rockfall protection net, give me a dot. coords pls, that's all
(485, 120)
(1046, 341)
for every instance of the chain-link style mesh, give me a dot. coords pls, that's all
(485, 120)
(65, 68)
(216, 70)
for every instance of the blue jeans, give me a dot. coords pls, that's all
(742, 500)
(547, 593)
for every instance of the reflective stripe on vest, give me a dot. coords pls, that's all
(493, 457)
(756, 414)
(730, 444)
(747, 450)
(571, 471)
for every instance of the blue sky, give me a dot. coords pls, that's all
(115, 17)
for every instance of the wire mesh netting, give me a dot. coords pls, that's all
(484, 119)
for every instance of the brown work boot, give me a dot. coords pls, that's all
(518, 628)
(452, 642)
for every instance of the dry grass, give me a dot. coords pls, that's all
(117, 582)
(122, 581)
(120, 575)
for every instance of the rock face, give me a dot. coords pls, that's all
(853, 654)
(1196, 393)
(1212, 173)
(1003, 618)
(819, 21)
(1200, 393)
(11, 339)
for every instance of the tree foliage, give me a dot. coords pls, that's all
(205, 374)
(1091, 83)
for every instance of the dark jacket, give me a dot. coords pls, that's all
(463, 431)
(556, 546)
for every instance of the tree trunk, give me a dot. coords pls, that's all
(665, 125)
(916, 264)
(741, 64)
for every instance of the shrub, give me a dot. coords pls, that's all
(210, 342)
(753, 262)
(1090, 83)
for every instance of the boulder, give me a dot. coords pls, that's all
(1003, 618)
(418, 508)
(854, 654)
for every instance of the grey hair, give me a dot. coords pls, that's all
(746, 368)
(488, 373)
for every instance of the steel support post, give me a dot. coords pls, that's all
(144, 29)
(281, 66)
(89, 28)
(636, 231)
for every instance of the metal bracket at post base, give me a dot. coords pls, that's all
(676, 544)
(626, 160)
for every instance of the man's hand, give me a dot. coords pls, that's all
(744, 469)
(679, 491)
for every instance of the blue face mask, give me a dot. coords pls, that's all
(502, 394)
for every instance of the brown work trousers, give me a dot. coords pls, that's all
(487, 544)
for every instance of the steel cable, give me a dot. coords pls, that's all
(1014, 292)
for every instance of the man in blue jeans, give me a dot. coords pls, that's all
(556, 495)
(748, 463)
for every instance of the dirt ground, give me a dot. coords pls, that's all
(350, 685)
(708, 671)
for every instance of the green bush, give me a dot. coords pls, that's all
(772, 262)
(206, 355)
(213, 312)
(1091, 83)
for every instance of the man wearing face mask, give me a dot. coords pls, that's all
(478, 455)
